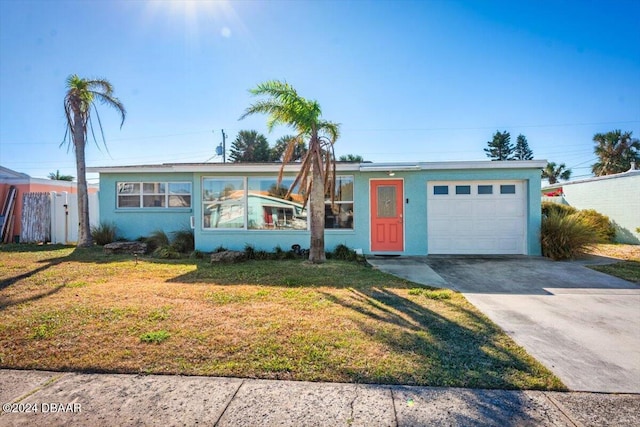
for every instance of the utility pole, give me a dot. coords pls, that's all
(224, 146)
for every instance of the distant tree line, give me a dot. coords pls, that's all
(501, 147)
(616, 152)
(252, 146)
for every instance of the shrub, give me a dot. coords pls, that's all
(167, 252)
(342, 252)
(183, 241)
(549, 207)
(156, 240)
(565, 236)
(104, 233)
(278, 252)
(599, 223)
(198, 254)
(249, 251)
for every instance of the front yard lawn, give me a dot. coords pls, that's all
(63, 308)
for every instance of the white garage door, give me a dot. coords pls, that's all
(476, 217)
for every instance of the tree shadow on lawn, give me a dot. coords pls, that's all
(471, 352)
(46, 264)
(289, 273)
(78, 255)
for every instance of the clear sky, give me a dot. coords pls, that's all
(408, 80)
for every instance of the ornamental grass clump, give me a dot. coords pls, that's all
(565, 236)
(599, 223)
(104, 233)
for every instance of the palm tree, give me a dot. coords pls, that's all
(351, 158)
(555, 172)
(78, 103)
(615, 151)
(285, 107)
(281, 145)
(56, 176)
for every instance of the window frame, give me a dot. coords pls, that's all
(274, 227)
(141, 194)
(243, 204)
(338, 203)
(245, 179)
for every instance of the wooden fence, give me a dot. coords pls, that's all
(36, 218)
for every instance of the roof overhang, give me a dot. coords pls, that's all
(340, 167)
(212, 167)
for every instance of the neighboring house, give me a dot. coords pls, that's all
(26, 184)
(479, 207)
(616, 196)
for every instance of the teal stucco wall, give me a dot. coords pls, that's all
(132, 223)
(137, 222)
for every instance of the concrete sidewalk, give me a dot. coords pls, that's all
(136, 400)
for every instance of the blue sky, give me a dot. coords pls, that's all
(407, 80)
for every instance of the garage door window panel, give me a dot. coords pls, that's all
(440, 190)
(485, 189)
(463, 189)
(508, 189)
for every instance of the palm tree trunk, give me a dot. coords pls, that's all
(316, 247)
(84, 228)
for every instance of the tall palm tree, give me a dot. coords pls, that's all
(615, 151)
(78, 103)
(317, 169)
(555, 172)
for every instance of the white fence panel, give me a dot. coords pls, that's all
(64, 216)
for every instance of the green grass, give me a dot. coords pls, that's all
(63, 308)
(627, 270)
(154, 337)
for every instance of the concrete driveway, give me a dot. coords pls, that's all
(582, 324)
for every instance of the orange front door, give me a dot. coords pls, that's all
(387, 219)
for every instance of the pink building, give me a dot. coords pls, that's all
(26, 184)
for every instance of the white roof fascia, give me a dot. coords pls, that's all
(485, 164)
(340, 167)
(214, 167)
(478, 164)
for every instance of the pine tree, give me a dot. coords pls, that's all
(500, 148)
(522, 150)
(250, 146)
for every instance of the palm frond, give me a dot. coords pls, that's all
(113, 102)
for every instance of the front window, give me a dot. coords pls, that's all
(223, 202)
(269, 209)
(154, 194)
(260, 203)
(340, 214)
